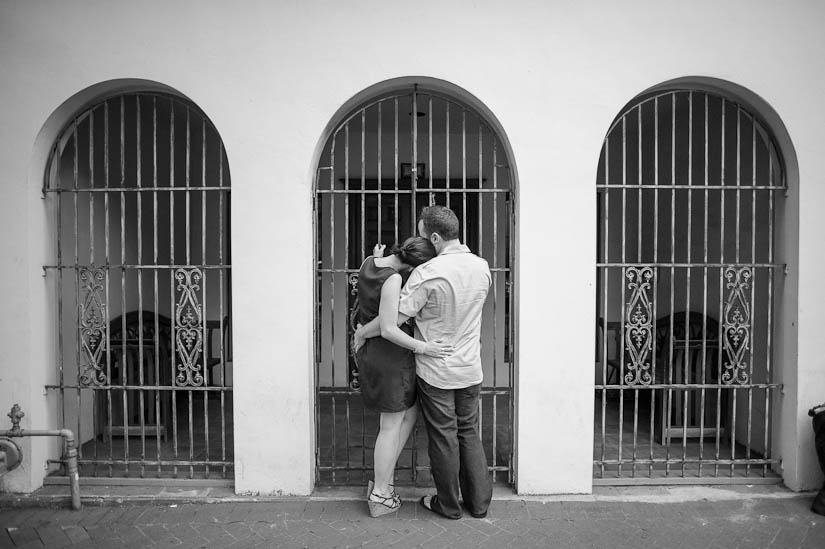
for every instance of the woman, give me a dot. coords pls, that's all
(386, 364)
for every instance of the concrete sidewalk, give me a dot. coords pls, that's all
(756, 516)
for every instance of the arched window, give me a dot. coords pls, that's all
(688, 185)
(139, 187)
(381, 164)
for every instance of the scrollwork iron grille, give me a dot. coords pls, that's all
(687, 190)
(139, 187)
(380, 165)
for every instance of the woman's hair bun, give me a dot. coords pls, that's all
(414, 251)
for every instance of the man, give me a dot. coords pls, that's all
(446, 296)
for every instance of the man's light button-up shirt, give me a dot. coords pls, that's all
(446, 296)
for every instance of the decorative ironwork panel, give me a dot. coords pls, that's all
(92, 325)
(687, 186)
(736, 332)
(354, 381)
(189, 328)
(138, 183)
(638, 336)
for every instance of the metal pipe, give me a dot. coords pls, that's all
(71, 448)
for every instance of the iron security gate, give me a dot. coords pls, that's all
(380, 166)
(687, 192)
(139, 188)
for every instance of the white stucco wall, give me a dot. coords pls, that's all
(272, 75)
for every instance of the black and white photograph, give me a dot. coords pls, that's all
(362, 273)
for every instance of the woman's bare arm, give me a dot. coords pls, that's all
(386, 324)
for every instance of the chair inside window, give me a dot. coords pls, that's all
(608, 347)
(218, 361)
(687, 353)
(140, 355)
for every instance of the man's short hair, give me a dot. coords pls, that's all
(441, 220)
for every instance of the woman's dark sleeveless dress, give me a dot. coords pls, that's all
(387, 371)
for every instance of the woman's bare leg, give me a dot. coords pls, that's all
(407, 425)
(386, 451)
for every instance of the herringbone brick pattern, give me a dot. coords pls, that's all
(769, 522)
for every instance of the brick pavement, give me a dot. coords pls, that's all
(629, 521)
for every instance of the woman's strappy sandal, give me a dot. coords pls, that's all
(380, 505)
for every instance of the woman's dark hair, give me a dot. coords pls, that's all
(414, 251)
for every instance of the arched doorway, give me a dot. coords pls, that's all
(138, 184)
(687, 189)
(384, 161)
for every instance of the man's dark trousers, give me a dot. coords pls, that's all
(457, 458)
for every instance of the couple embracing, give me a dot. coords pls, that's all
(436, 368)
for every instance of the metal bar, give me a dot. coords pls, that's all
(182, 463)
(147, 387)
(143, 190)
(332, 287)
(346, 200)
(347, 434)
(639, 260)
(124, 368)
(363, 185)
(511, 326)
(91, 195)
(344, 391)
(172, 259)
(155, 285)
(334, 438)
(406, 191)
(689, 386)
(222, 311)
(139, 182)
(654, 348)
(395, 167)
(606, 285)
(753, 301)
(414, 167)
(666, 435)
(106, 237)
(346, 231)
(722, 171)
(774, 266)
(79, 352)
(207, 379)
(624, 277)
(479, 204)
(737, 227)
(708, 186)
(379, 145)
(480, 181)
(134, 266)
(414, 137)
(689, 460)
(495, 280)
(191, 433)
(704, 285)
(447, 148)
(54, 173)
(492, 270)
(769, 338)
(430, 142)
(686, 374)
(317, 327)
